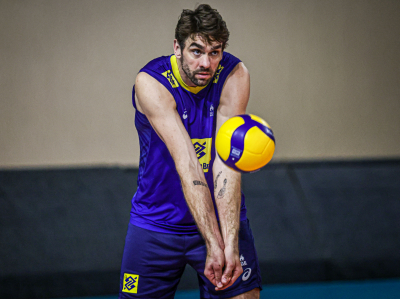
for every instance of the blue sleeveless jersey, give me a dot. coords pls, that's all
(159, 203)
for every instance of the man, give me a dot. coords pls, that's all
(189, 208)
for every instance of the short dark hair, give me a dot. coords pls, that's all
(204, 21)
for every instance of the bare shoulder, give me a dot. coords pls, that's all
(236, 91)
(151, 95)
(239, 73)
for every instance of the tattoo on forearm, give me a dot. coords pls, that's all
(200, 183)
(223, 189)
(216, 180)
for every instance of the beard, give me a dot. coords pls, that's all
(192, 75)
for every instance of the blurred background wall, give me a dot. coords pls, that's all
(324, 74)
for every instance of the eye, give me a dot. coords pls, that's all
(214, 53)
(196, 52)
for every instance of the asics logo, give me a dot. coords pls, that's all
(246, 274)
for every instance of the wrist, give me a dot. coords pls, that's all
(230, 236)
(213, 246)
(232, 244)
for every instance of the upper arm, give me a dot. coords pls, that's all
(234, 97)
(159, 106)
(235, 93)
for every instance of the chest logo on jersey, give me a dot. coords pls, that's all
(168, 74)
(203, 151)
(219, 70)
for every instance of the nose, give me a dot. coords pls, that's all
(205, 62)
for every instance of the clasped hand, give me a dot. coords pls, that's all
(222, 266)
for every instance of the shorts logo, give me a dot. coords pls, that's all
(242, 260)
(168, 74)
(203, 151)
(131, 282)
(246, 274)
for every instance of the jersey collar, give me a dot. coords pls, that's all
(175, 70)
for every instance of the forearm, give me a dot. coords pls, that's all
(228, 200)
(198, 198)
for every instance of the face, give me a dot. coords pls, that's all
(198, 60)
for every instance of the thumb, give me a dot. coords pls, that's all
(227, 275)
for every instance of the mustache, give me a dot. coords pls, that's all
(202, 71)
(209, 72)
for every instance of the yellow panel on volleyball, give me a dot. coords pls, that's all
(259, 119)
(224, 135)
(256, 154)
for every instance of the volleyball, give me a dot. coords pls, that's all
(245, 143)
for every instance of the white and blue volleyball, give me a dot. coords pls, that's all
(245, 143)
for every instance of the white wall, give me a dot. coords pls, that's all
(325, 75)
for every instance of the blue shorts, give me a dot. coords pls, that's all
(153, 264)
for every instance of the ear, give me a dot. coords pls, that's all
(177, 49)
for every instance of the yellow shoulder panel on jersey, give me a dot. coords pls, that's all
(219, 70)
(203, 151)
(168, 74)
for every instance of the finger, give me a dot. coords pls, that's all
(227, 275)
(236, 274)
(218, 273)
(225, 286)
(209, 273)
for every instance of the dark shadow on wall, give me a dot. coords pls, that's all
(62, 230)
